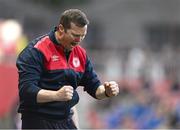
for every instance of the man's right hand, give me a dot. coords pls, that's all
(64, 94)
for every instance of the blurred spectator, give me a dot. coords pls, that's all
(12, 41)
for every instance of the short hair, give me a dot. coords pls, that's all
(75, 16)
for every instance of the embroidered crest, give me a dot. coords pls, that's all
(76, 62)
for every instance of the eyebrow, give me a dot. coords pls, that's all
(77, 35)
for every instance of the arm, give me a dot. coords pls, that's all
(29, 64)
(46, 96)
(30, 67)
(100, 92)
(90, 79)
(63, 94)
(93, 85)
(75, 117)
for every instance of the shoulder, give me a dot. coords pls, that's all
(41, 43)
(45, 46)
(33, 49)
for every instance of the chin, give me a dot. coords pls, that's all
(70, 48)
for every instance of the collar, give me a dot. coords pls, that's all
(54, 40)
(52, 36)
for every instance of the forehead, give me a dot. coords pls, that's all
(78, 30)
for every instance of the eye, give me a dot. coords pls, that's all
(77, 35)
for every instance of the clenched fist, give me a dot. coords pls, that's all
(65, 93)
(111, 88)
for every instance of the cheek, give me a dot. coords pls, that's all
(69, 39)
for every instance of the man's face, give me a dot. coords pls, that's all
(74, 36)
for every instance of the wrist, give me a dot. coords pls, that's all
(54, 96)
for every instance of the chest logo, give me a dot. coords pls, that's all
(55, 58)
(76, 62)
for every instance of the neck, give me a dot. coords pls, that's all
(57, 37)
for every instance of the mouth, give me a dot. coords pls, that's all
(74, 43)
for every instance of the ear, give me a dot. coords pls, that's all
(61, 28)
(60, 31)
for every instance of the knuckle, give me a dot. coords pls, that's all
(112, 82)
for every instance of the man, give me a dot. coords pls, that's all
(50, 69)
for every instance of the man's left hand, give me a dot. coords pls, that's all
(111, 88)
